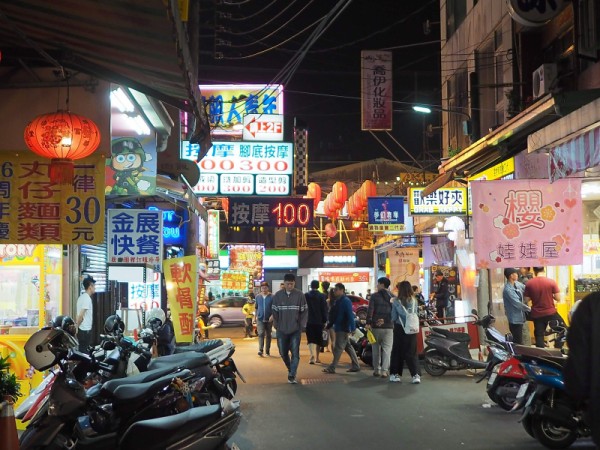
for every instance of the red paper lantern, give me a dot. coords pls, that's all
(340, 192)
(314, 192)
(330, 230)
(370, 188)
(62, 137)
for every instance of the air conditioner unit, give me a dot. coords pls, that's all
(543, 78)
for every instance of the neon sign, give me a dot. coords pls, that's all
(174, 225)
(270, 212)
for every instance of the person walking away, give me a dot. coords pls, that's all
(404, 348)
(514, 307)
(290, 315)
(317, 318)
(379, 321)
(343, 324)
(542, 292)
(331, 318)
(441, 295)
(85, 314)
(249, 310)
(582, 382)
(264, 319)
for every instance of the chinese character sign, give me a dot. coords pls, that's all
(235, 280)
(135, 236)
(442, 201)
(247, 258)
(386, 213)
(404, 265)
(33, 210)
(270, 212)
(376, 89)
(528, 223)
(181, 275)
(213, 234)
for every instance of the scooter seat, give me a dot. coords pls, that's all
(458, 337)
(154, 431)
(188, 360)
(130, 392)
(202, 347)
(142, 377)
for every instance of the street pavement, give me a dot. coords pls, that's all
(359, 411)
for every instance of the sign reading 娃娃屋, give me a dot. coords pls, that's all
(135, 236)
(527, 223)
(243, 168)
(442, 201)
(33, 210)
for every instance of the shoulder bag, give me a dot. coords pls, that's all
(412, 320)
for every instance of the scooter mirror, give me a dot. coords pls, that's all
(474, 312)
(508, 337)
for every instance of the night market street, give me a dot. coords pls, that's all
(357, 410)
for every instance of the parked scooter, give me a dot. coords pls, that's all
(448, 350)
(121, 415)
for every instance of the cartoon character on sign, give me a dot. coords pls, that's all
(128, 158)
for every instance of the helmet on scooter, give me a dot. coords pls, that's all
(156, 313)
(114, 325)
(68, 325)
(57, 322)
(487, 321)
(155, 324)
(45, 347)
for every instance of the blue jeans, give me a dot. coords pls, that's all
(264, 329)
(289, 343)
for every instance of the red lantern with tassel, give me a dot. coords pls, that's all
(62, 137)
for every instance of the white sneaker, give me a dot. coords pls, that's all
(395, 379)
(416, 379)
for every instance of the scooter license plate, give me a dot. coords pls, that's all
(522, 391)
(492, 378)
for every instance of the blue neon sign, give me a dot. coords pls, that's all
(174, 225)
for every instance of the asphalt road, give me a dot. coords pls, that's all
(359, 411)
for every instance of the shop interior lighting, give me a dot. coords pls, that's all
(119, 99)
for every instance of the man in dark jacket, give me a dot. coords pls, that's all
(441, 294)
(379, 321)
(583, 365)
(317, 318)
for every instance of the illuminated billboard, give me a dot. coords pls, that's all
(243, 168)
(227, 104)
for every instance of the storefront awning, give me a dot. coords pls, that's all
(511, 137)
(439, 182)
(142, 44)
(576, 154)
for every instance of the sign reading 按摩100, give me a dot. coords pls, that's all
(135, 236)
(243, 168)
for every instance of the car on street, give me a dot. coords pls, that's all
(227, 311)
(359, 306)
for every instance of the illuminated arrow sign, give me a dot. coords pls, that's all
(263, 127)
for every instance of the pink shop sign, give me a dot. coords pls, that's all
(518, 223)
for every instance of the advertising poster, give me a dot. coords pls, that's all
(247, 258)
(386, 213)
(131, 169)
(235, 280)
(181, 275)
(34, 210)
(404, 266)
(451, 274)
(144, 295)
(527, 223)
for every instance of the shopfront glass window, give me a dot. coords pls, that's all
(19, 296)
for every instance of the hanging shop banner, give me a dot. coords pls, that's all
(247, 258)
(404, 265)
(213, 269)
(135, 236)
(263, 127)
(443, 201)
(213, 234)
(451, 274)
(376, 89)
(131, 169)
(228, 104)
(181, 275)
(527, 223)
(243, 168)
(235, 280)
(270, 212)
(33, 210)
(345, 277)
(386, 213)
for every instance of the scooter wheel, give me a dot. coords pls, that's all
(431, 368)
(506, 402)
(551, 435)
(526, 422)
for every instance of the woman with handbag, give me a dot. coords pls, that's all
(406, 328)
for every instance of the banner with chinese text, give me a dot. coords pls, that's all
(404, 266)
(386, 213)
(135, 236)
(443, 201)
(345, 277)
(525, 223)
(181, 275)
(376, 89)
(34, 210)
(235, 280)
(247, 258)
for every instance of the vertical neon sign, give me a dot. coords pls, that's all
(212, 247)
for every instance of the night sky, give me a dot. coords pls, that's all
(324, 90)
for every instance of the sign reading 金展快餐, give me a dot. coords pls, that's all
(386, 213)
(270, 212)
(34, 210)
(181, 276)
(443, 201)
(243, 168)
(527, 223)
(135, 236)
(229, 103)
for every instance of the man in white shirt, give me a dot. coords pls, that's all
(85, 314)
